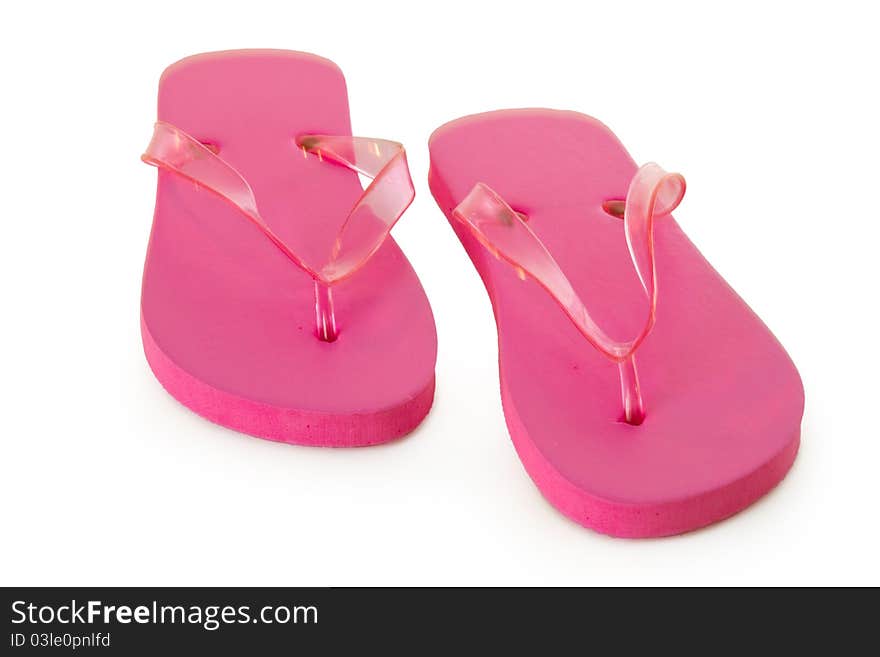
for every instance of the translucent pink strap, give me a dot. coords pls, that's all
(379, 207)
(652, 193)
(367, 225)
(361, 234)
(174, 150)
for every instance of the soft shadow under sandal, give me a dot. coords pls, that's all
(585, 254)
(274, 301)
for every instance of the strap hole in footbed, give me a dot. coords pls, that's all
(211, 146)
(522, 215)
(506, 218)
(614, 207)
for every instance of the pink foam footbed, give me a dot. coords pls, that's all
(228, 321)
(724, 401)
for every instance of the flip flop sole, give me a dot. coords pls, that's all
(724, 400)
(228, 320)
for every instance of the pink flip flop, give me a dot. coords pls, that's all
(709, 423)
(274, 301)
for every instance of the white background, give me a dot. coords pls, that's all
(769, 109)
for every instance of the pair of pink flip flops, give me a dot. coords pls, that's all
(276, 303)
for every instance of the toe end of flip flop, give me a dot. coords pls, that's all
(656, 516)
(295, 426)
